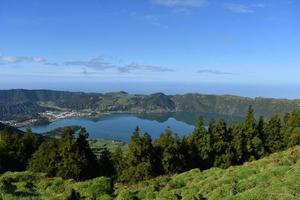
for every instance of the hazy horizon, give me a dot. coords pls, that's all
(251, 91)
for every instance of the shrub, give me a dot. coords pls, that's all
(72, 195)
(7, 186)
(95, 187)
(127, 195)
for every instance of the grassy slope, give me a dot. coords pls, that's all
(111, 145)
(274, 177)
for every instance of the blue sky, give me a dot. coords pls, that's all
(64, 44)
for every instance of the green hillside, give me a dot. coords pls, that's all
(24, 104)
(273, 177)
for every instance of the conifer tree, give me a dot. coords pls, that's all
(254, 145)
(69, 166)
(198, 147)
(238, 143)
(221, 148)
(106, 165)
(3, 159)
(141, 160)
(274, 135)
(170, 151)
(46, 158)
(10, 145)
(291, 129)
(135, 148)
(87, 159)
(118, 162)
(147, 149)
(261, 129)
(29, 144)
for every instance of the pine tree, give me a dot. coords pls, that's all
(148, 152)
(149, 155)
(274, 135)
(46, 158)
(3, 159)
(170, 151)
(198, 147)
(221, 148)
(135, 148)
(87, 159)
(106, 165)
(69, 166)
(291, 129)
(238, 143)
(253, 142)
(10, 145)
(118, 162)
(29, 144)
(141, 159)
(261, 125)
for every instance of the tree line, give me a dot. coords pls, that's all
(215, 145)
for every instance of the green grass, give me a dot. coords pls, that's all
(273, 177)
(28, 185)
(111, 145)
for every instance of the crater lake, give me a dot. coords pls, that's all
(121, 126)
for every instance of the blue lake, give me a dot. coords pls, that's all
(121, 126)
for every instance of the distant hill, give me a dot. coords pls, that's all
(273, 177)
(234, 105)
(15, 130)
(24, 104)
(18, 131)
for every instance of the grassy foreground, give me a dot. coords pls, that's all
(273, 177)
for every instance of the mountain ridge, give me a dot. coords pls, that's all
(26, 104)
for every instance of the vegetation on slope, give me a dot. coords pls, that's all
(29, 185)
(234, 105)
(273, 177)
(217, 146)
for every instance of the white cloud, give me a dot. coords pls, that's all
(138, 67)
(96, 63)
(100, 65)
(52, 63)
(239, 8)
(180, 3)
(214, 72)
(244, 8)
(16, 59)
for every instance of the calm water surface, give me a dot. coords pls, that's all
(121, 126)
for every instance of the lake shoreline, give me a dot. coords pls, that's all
(52, 116)
(119, 125)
